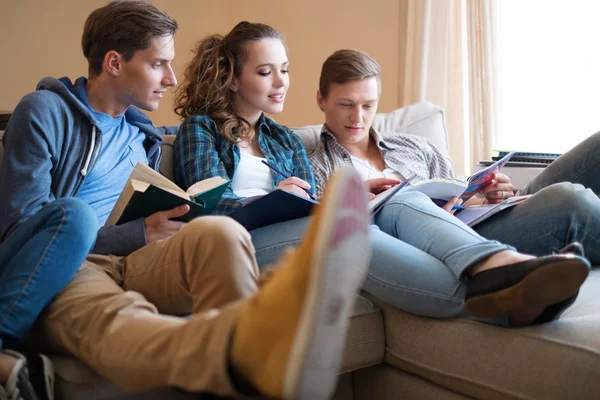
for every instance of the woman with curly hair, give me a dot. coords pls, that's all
(439, 269)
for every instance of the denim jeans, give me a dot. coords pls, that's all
(559, 212)
(38, 260)
(580, 165)
(420, 254)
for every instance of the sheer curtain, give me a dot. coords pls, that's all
(447, 57)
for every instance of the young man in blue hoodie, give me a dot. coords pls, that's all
(120, 313)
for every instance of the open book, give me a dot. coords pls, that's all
(472, 215)
(444, 189)
(277, 206)
(147, 192)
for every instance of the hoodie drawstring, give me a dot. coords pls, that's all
(84, 171)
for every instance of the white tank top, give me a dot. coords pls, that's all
(367, 171)
(252, 177)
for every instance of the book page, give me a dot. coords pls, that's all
(205, 185)
(439, 188)
(144, 173)
(127, 193)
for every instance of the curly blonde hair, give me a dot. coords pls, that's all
(217, 61)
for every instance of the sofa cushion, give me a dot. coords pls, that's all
(424, 119)
(560, 360)
(167, 161)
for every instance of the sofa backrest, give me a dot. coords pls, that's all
(424, 119)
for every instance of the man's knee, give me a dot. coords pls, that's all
(217, 229)
(77, 215)
(411, 198)
(224, 245)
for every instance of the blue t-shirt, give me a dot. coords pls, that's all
(122, 148)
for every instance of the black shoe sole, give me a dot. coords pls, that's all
(549, 284)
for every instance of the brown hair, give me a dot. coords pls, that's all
(348, 65)
(205, 88)
(124, 26)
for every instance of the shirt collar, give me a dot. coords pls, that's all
(381, 142)
(263, 125)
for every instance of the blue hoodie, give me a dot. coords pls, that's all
(51, 144)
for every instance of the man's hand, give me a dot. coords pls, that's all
(499, 189)
(158, 225)
(379, 185)
(294, 185)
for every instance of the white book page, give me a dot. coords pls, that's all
(205, 185)
(443, 189)
(144, 173)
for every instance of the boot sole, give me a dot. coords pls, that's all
(541, 288)
(315, 358)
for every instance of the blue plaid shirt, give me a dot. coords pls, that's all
(201, 152)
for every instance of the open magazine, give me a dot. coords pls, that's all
(472, 215)
(444, 189)
(383, 197)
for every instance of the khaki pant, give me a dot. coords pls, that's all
(112, 315)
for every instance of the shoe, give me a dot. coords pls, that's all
(539, 282)
(573, 248)
(554, 311)
(32, 378)
(289, 338)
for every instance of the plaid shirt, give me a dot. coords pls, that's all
(201, 152)
(404, 153)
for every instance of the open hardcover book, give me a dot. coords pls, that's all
(444, 189)
(147, 192)
(277, 206)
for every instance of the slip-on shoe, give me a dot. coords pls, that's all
(540, 282)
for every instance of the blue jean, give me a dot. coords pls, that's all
(420, 254)
(559, 212)
(38, 260)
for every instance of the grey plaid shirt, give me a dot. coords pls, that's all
(404, 153)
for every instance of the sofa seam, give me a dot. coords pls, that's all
(451, 376)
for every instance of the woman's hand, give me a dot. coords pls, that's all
(455, 201)
(499, 189)
(294, 185)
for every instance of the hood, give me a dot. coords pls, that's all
(64, 88)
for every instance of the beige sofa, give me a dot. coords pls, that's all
(391, 354)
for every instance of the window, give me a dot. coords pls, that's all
(548, 75)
